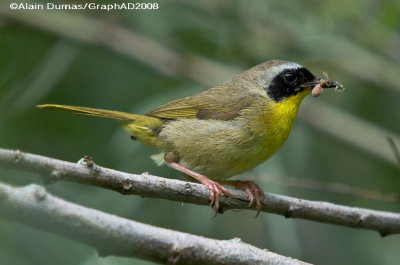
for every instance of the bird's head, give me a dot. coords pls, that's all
(280, 80)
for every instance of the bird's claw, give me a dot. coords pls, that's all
(253, 191)
(216, 190)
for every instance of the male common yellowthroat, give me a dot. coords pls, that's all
(224, 130)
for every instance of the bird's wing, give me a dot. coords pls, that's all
(215, 106)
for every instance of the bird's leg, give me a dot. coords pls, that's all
(215, 188)
(254, 192)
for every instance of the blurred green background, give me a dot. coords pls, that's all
(134, 60)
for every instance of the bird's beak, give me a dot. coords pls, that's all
(317, 86)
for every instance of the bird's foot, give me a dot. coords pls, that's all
(253, 191)
(216, 189)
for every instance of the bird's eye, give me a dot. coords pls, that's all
(289, 77)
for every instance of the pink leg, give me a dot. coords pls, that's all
(254, 192)
(215, 188)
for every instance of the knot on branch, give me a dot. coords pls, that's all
(236, 240)
(88, 162)
(290, 213)
(361, 220)
(188, 188)
(39, 193)
(127, 186)
(17, 156)
(174, 255)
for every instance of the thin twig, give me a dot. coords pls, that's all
(111, 235)
(145, 185)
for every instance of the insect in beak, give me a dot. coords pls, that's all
(319, 84)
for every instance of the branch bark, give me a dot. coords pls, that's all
(111, 235)
(146, 185)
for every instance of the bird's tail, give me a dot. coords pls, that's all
(143, 128)
(110, 114)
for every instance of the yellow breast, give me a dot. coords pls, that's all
(275, 124)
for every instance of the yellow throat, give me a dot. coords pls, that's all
(279, 117)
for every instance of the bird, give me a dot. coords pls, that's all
(224, 130)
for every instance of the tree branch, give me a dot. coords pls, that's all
(111, 235)
(146, 185)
